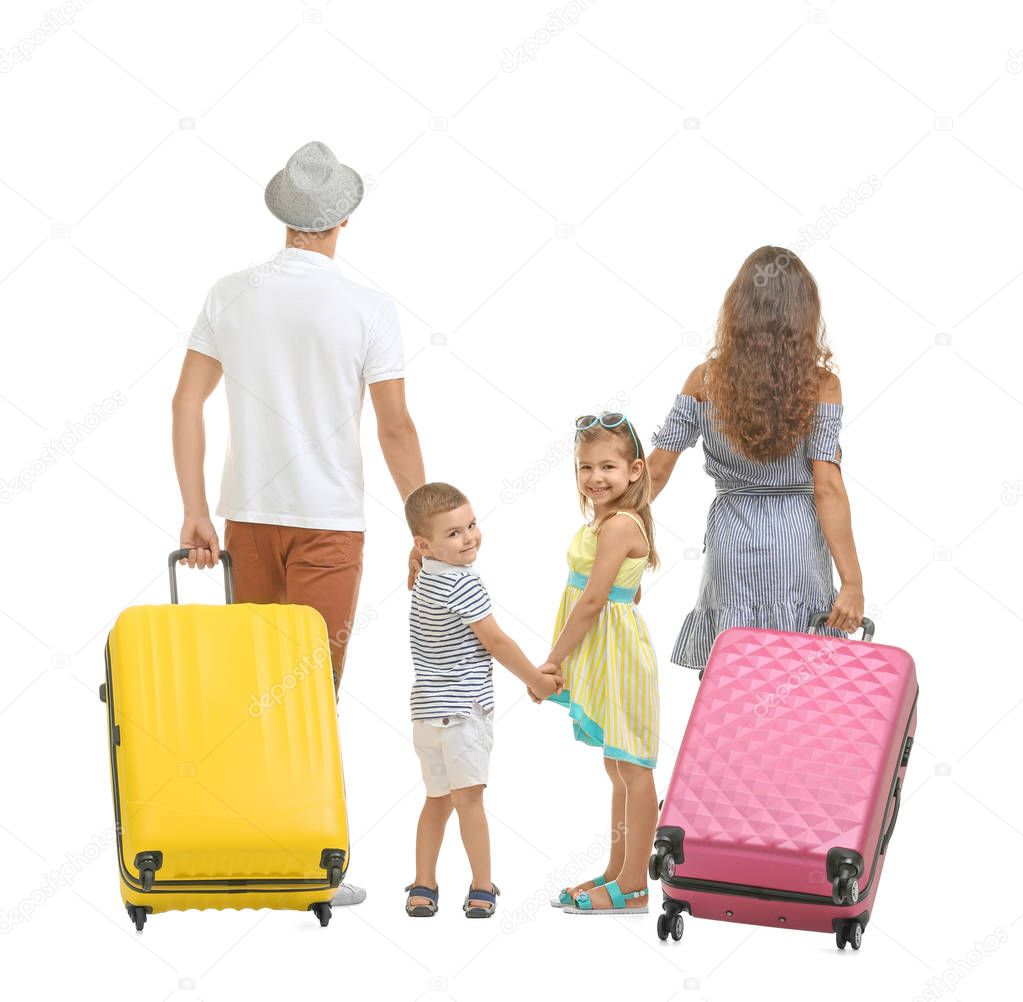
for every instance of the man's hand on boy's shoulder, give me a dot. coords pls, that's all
(415, 565)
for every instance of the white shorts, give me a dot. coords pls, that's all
(454, 751)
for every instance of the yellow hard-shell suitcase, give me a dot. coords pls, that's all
(224, 757)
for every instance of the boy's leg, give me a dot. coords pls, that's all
(257, 561)
(324, 569)
(428, 737)
(429, 835)
(472, 823)
(467, 747)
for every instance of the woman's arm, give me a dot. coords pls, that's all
(660, 462)
(836, 523)
(617, 537)
(835, 517)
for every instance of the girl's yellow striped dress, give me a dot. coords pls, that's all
(611, 677)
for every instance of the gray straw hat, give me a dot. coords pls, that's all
(314, 192)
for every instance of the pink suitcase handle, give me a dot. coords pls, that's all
(822, 617)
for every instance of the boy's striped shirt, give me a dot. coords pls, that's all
(453, 669)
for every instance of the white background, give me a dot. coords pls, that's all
(118, 214)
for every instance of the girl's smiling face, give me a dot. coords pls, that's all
(603, 473)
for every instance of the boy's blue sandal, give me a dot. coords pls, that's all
(421, 910)
(584, 906)
(565, 899)
(477, 894)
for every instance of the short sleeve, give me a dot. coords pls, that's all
(823, 441)
(468, 599)
(202, 338)
(681, 428)
(384, 357)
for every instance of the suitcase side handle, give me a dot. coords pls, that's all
(822, 617)
(172, 564)
(895, 817)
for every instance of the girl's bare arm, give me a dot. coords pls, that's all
(616, 538)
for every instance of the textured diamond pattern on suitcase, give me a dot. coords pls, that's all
(790, 749)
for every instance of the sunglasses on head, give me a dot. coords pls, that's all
(609, 419)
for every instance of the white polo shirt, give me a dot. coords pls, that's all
(298, 343)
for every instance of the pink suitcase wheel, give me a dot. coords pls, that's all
(850, 932)
(662, 863)
(845, 890)
(670, 925)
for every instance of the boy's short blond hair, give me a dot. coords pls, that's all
(429, 500)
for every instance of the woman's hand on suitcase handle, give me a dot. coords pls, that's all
(847, 612)
(199, 537)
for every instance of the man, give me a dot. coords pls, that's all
(297, 343)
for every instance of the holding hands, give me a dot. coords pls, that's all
(548, 682)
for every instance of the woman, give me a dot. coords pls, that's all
(769, 410)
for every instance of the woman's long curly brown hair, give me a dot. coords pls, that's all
(764, 372)
(637, 495)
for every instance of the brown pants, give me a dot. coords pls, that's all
(317, 567)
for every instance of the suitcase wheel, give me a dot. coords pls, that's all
(662, 864)
(850, 932)
(321, 909)
(845, 890)
(137, 914)
(670, 923)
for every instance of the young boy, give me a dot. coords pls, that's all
(454, 638)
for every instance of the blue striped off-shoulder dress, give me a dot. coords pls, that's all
(766, 563)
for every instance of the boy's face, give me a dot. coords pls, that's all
(454, 537)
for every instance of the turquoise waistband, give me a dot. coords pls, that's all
(616, 594)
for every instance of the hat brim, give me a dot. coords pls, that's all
(301, 212)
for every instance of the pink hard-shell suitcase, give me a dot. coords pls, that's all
(787, 784)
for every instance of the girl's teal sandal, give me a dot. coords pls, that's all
(564, 900)
(584, 906)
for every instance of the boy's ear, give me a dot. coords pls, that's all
(422, 544)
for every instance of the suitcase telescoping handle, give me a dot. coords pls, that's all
(225, 559)
(822, 617)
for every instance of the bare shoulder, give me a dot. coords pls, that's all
(694, 385)
(614, 528)
(623, 532)
(831, 388)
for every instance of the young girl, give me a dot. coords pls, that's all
(605, 654)
(769, 411)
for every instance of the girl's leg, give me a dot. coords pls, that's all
(640, 824)
(617, 857)
(429, 835)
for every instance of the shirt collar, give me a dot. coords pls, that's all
(309, 256)
(432, 566)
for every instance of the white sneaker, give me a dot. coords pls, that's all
(348, 894)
